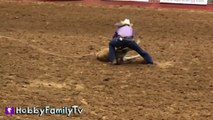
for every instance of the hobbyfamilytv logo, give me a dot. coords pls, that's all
(73, 110)
(9, 110)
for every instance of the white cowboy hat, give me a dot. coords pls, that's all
(124, 22)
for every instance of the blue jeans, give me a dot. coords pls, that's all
(130, 44)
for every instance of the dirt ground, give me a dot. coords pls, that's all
(47, 57)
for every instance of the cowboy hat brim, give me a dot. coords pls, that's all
(121, 23)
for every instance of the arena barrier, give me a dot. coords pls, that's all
(191, 2)
(183, 4)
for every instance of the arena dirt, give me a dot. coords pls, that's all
(47, 57)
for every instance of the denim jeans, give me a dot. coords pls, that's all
(115, 42)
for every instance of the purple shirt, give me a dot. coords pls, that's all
(125, 31)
